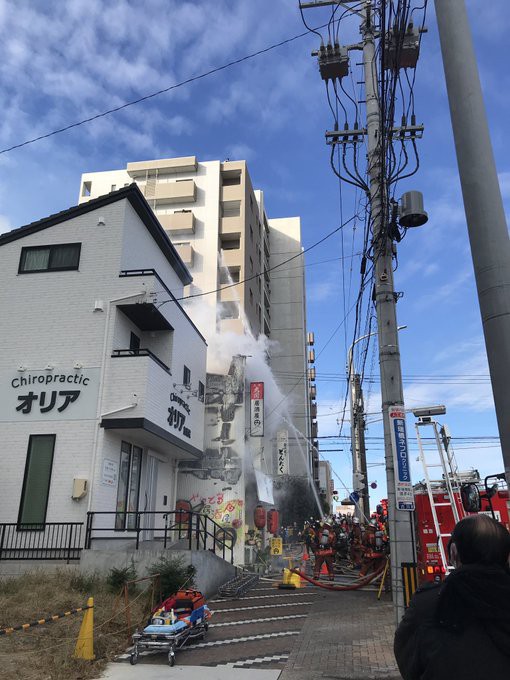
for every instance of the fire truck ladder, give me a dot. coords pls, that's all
(449, 484)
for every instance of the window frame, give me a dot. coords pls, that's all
(51, 247)
(201, 391)
(24, 486)
(186, 372)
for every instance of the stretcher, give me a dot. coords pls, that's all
(180, 619)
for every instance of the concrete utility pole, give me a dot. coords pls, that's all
(359, 454)
(485, 216)
(400, 521)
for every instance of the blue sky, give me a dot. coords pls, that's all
(65, 62)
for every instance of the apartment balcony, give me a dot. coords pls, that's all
(141, 169)
(180, 222)
(139, 389)
(186, 253)
(232, 193)
(231, 294)
(232, 257)
(180, 191)
(231, 225)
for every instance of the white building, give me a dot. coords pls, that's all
(102, 373)
(326, 483)
(219, 226)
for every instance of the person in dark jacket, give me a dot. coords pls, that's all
(460, 629)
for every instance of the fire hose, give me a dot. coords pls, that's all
(353, 586)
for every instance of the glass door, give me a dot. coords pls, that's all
(128, 489)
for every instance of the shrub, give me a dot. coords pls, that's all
(117, 578)
(174, 574)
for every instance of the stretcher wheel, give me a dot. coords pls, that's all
(171, 658)
(133, 658)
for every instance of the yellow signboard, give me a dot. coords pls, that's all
(276, 546)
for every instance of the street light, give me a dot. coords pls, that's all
(359, 461)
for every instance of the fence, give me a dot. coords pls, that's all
(48, 541)
(197, 531)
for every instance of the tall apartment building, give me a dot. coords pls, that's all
(219, 227)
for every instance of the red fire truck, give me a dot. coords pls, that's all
(489, 496)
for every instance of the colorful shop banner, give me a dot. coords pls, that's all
(404, 497)
(257, 409)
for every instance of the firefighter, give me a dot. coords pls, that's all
(308, 538)
(356, 548)
(373, 554)
(324, 552)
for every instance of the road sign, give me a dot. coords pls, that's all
(276, 546)
(403, 486)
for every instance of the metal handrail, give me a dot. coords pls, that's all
(199, 530)
(41, 541)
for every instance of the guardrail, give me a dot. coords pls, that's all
(48, 541)
(199, 532)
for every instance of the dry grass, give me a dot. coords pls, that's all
(45, 652)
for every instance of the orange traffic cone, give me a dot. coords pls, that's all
(324, 569)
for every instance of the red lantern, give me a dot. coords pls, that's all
(259, 517)
(273, 521)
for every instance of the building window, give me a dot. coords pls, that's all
(251, 296)
(63, 257)
(86, 189)
(231, 208)
(186, 376)
(230, 243)
(134, 342)
(128, 490)
(251, 265)
(251, 233)
(230, 179)
(201, 391)
(36, 482)
(114, 187)
(229, 275)
(229, 310)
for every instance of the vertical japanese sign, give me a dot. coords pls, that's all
(257, 409)
(404, 496)
(282, 452)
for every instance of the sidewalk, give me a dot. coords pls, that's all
(347, 636)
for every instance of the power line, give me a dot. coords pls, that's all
(152, 95)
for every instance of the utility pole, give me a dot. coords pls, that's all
(393, 411)
(485, 215)
(359, 454)
(400, 521)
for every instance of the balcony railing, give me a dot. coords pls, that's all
(48, 541)
(199, 532)
(141, 352)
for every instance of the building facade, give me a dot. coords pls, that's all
(242, 283)
(102, 372)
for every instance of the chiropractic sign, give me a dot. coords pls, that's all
(57, 394)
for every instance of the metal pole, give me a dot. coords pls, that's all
(485, 216)
(400, 524)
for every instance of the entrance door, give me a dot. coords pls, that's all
(128, 491)
(149, 497)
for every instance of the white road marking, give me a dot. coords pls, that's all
(262, 606)
(261, 597)
(250, 662)
(248, 638)
(269, 618)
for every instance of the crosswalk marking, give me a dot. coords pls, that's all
(247, 638)
(262, 606)
(271, 595)
(269, 618)
(251, 662)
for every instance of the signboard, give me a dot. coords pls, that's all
(404, 497)
(110, 474)
(264, 487)
(56, 394)
(276, 546)
(257, 409)
(282, 452)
